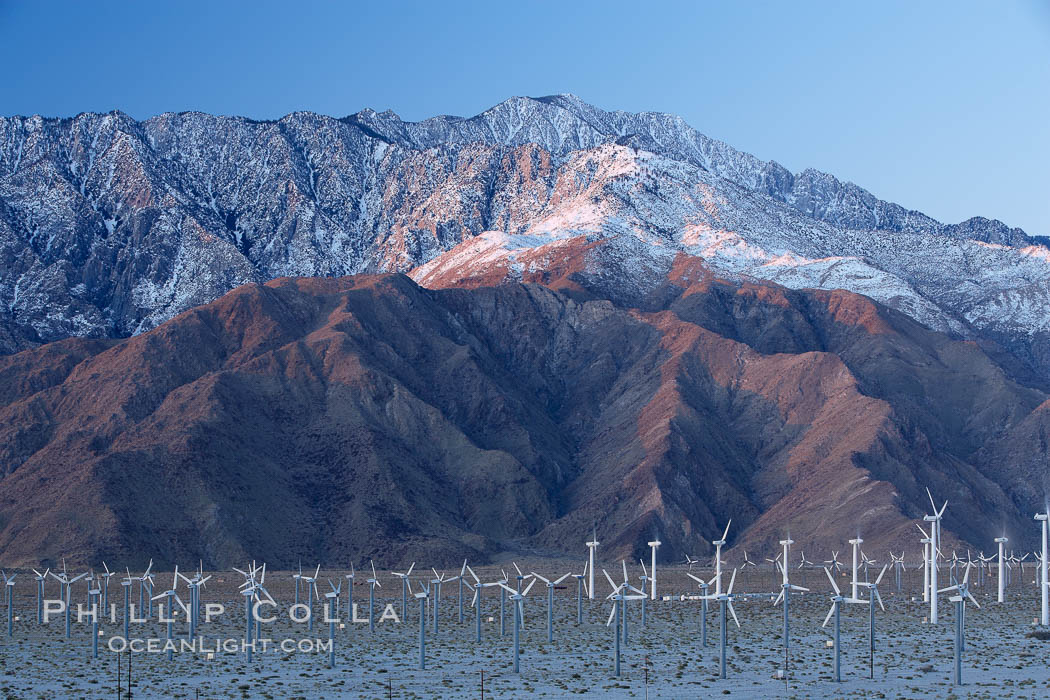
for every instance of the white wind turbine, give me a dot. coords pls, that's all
(40, 579)
(726, 602)
(962, 593)
(718, 559)
(66, 585)
(350, 592)
(653, 546)
(372, 583)
(1044, 581)
(619, 597)
(311, 591)
(786, 587)
(704, 597)
(855, 543)
(437, 581)
(171, 596)
(105, 589)
(517, 598)
(836, 610)
(873, 595)
(331, 603)
(935, 543)
(580, 584)
(591, 546)
(550, 601)
(1001, 573)
(404, 589)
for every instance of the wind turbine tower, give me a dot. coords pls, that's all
(856, 542)
(1044, 583)
(1001, 541)
(592, 545)
(652, 581)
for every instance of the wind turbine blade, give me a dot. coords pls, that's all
(477, 591)
(932, 504)
(731, 582)
(476, 579)
(644, 572)
(727, 529)
(624, 570)
(407, 573)
(732, 612)
(879, 598)
(529, 587)
(968, 595)
(833, 584)
(780, 597)
(516, 567)
(317, 571)
(464, 569)
(612, 613)
(372, 564)
(827, 619)
(609, 579)
(565, 576)
(881, 574)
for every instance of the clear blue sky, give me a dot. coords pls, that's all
(940, 106)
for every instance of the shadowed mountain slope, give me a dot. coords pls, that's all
(356, 417)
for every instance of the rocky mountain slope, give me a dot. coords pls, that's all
(366, 416)
(109, 226)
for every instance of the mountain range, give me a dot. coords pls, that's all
(365, 336)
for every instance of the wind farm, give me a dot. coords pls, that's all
(243, 630)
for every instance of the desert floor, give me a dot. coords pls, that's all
(663, 659)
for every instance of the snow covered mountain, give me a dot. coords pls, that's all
(109, 226)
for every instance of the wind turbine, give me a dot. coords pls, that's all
(926, 540)
(785, 592)
(726, 602)
(171, 596)
(591, 546)
(836, 609)
(1044, 581)
(962, 593)
(40, 579)
(834, 563)
(404, 589)
(704, 597)
(644, 578)
(94, 598)
(331, 600)
(437, 581)
(935, 543)
(579, 593)
(476, 602)
(689, 562)
(462, 573)
(311, 591)
(66, 585)
(898, 568)
(873, 595)
(855, 543)
(422, 598)
(517, 597)
(350, 591)
(550, 601)
(747, 563)
(654, 545)
(372, 583)
(718, 558)
(105, 589)
(802, 565)
(126, 583)
(619, 600)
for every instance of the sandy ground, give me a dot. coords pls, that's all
(912, 659)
